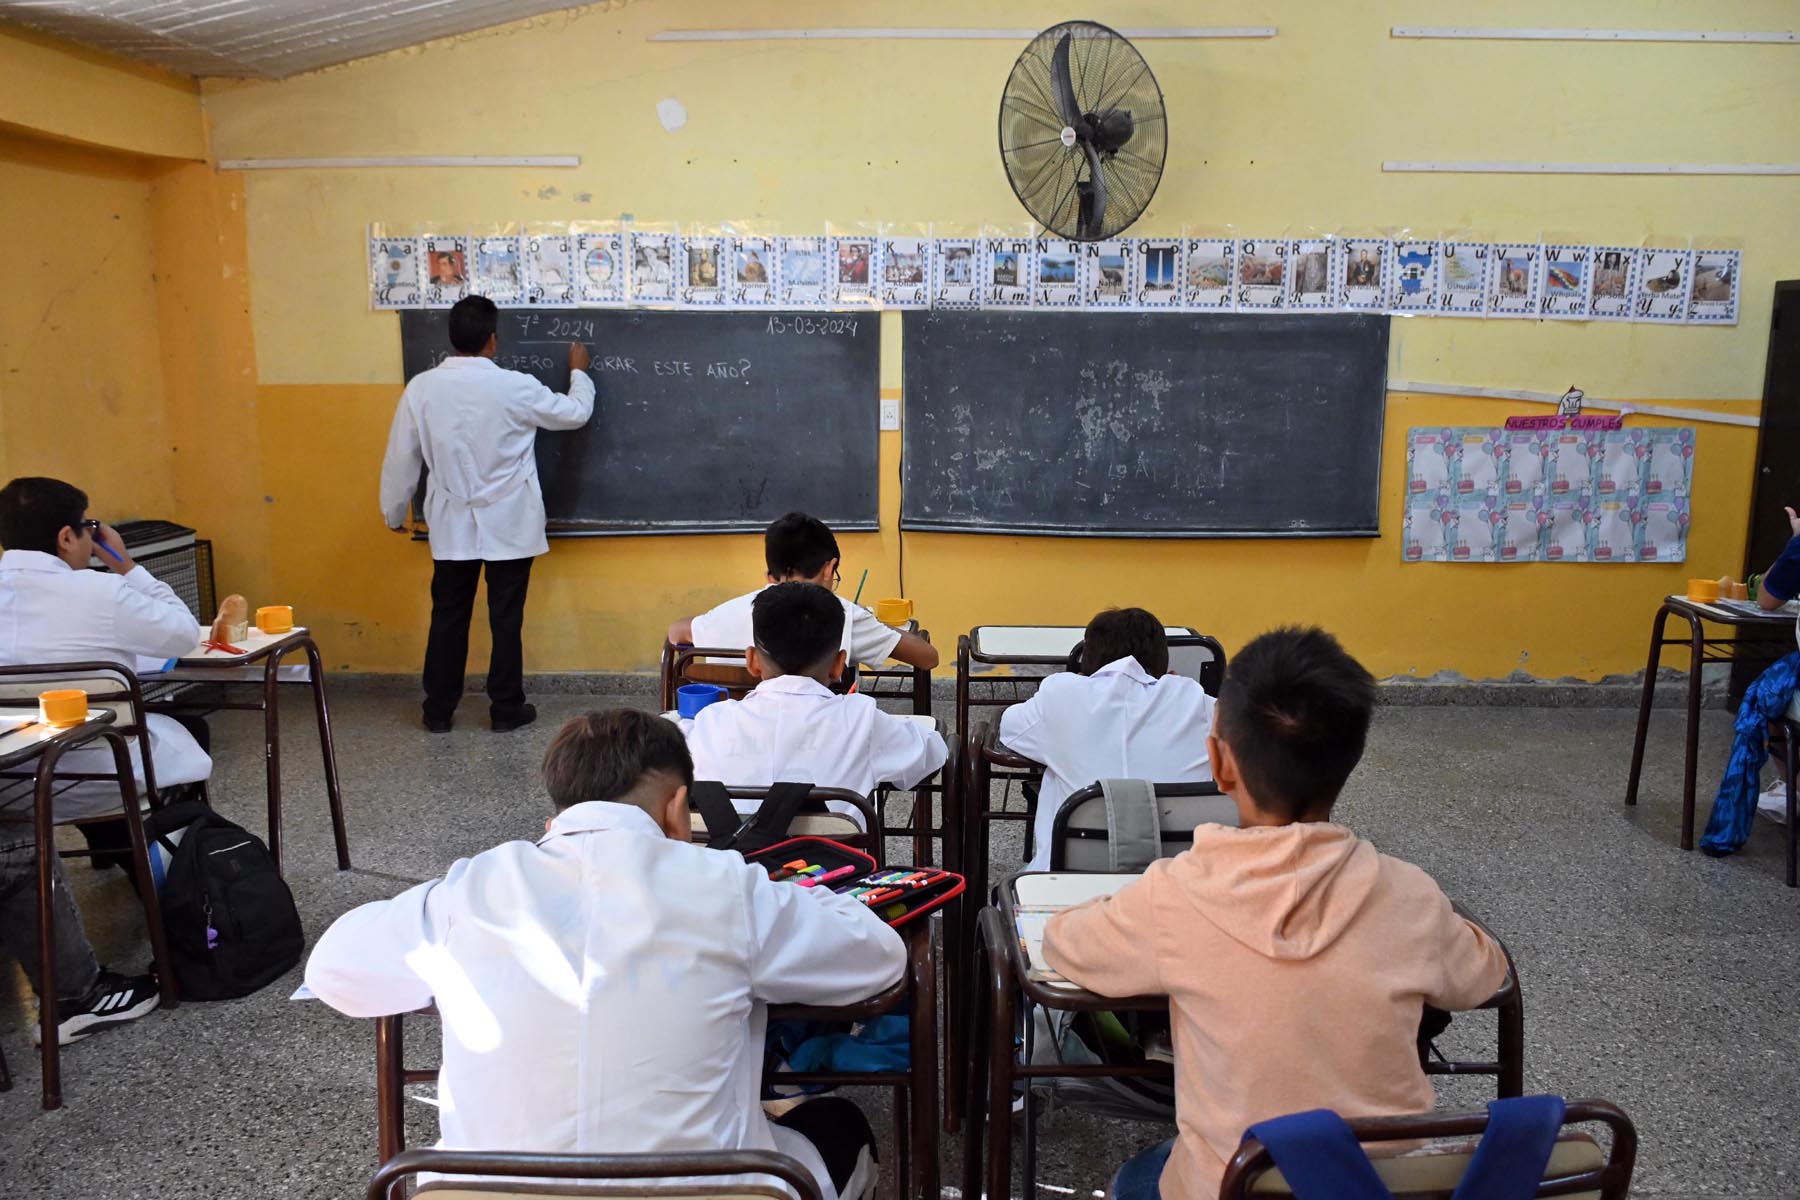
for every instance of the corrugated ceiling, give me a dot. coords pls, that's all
(267, 40)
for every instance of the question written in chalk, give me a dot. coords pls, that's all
(678, 367)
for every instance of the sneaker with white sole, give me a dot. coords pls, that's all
(114, 1000)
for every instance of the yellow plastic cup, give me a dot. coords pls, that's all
(1703, 591)
(63, 708)
(893, 611)
(275, 618)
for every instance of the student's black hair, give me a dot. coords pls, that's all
(797, 626)
(797, 544)
(1295, 709)
(603, 755)
(33, 510)
(473, 320)
(1118, 632)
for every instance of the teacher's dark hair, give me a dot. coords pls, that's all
(473, 320)
(34, 510)
(608, 754)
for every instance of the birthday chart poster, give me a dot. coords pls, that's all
(1480, 494)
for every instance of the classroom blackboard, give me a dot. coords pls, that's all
(1143, 425)
(703, 422)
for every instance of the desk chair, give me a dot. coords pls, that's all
(1080, 837)
(915, 1090)
(1578, 1165)
(593, 1175)
(1784, 734)
(817, 821)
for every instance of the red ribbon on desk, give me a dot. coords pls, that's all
(222, 647)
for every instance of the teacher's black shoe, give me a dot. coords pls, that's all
(432, 726)
(524, 715)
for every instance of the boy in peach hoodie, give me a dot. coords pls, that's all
(1297, 958)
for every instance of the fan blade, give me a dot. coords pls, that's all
(1063, 83)
(1096, 208)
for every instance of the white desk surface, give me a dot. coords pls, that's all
(1750, 612)
(256, 640)
(1064, 889)
(1039, 641)
(21, 728)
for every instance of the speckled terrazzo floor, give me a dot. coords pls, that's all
(1661, 980)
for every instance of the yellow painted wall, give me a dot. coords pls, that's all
(1268, 137)
(55, 89)
(81, 388)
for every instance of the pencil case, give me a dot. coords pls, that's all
(897, 894)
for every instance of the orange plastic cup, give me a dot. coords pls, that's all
(62, 708)
(1703, 591)
(893, 612)
(275, 618)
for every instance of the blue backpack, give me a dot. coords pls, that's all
(1321, 1159)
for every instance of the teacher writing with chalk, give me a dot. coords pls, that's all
(474, 425)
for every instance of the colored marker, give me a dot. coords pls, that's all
(892, 911)
(788, 869)
(114, 554)
(814, 880)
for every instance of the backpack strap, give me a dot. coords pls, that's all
(1133, 824)
(722, 820)
(1320, 1158)
(1509, 1161)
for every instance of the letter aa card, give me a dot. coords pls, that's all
(1515, 279)
(1261, 274)
(752, 270)
(1660, 291)
(703, 271)
(446, 262)
(1362, 267)
(1462, 279)
(394, 272)
(1568, 281)
(550, 270)
(1207, 274)
(1414, 287)
(1008, 272)
(600, 268)
(1058, 274)
(1309, 266)
(905, 272)
(1609, 299)
(802, 277)
(956, 274)
(1108, 275)
(1158, 280)
(653, 267)
(1715, 296)
(499, 269)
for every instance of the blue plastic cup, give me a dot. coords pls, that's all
(690, 698)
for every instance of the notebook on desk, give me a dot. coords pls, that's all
(1039, 895)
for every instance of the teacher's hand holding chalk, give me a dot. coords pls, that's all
(578, 357)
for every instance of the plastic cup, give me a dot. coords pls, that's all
(62, 708)
(690, 698)
(275, 618)
(893, 611)
(1703, 591)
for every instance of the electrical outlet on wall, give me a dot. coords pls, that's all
(890, 414)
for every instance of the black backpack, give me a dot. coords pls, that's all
(726, 830)
(230, 918)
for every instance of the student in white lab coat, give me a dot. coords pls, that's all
(604, 989)
(799, 548)
(1123, 717)
(475, 426)
(53, 609)
(792, 726)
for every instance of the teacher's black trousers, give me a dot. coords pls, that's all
(447, 649)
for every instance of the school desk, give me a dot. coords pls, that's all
(204, 681)
(915, 1089)
(1007, 991)
(35, 743)
(696, 664)
(1702, 649)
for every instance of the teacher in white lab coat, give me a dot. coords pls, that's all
(474, 425)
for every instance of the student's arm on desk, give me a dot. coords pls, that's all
(1782, 581)
(812, 946)
(1470, 965)
(915, 651)
(681, 633)
(401, 465)
(1109, 945)
(150, 619)
(904, 751)
(1022, 725)
(370, 962)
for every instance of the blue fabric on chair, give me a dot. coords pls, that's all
(1509, 1162)
(1319, 1157)
(1734, 808)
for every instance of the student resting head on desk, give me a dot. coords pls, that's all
(603, 990)
(1123, 716)
(802, 549)
(792, 726)
(1297, 958)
